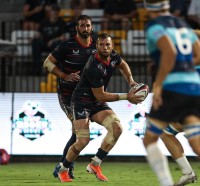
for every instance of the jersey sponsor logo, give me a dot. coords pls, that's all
(113, 63)
(82, 113)
(94, 51)
(102, 69)
(75, 52)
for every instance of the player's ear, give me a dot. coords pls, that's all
(113, 45)
(76, 28)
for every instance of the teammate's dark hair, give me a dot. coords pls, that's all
(83, 17)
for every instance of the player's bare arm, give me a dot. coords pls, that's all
(103, 96)
(126, 72)
(167, 61)
(50, 65)
(196, 49)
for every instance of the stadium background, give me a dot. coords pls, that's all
(18, 86)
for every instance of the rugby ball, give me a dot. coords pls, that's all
(141, 89)
(4, 157)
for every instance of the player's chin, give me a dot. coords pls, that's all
(85, 35)
(105, 54)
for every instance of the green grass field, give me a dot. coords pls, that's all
(119, 174)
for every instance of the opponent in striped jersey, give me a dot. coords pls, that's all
(175, 49)
(198, 65)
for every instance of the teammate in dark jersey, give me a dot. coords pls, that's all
(175, 49)
(67, 62)
(89, 103)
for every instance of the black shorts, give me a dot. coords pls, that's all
(82, 110)
(176, 107)
(65, 103)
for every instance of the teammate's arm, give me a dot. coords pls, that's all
(50, 65)
(126, 72)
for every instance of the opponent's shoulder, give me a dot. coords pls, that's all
(167, 22)
(156, 21)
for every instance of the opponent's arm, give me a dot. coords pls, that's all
(167, 59)
(167, 62)
(196, 51)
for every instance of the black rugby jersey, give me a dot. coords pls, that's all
(96, 74)
(72, 57)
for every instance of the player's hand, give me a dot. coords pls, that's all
(73, 77)
(132, 84)
(157, 97)
(134, 99)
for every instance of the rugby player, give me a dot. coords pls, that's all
(175, 49)
(67, 62)
(89, 103)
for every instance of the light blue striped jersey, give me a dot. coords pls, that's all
(183, 78)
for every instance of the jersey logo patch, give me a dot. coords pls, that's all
(82, 113)
(75, 52)
(102, 69)
(113, 63)
(94, 51)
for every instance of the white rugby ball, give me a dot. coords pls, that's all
(141, 89)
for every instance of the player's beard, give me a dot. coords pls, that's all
(84, 34)
(104, 55)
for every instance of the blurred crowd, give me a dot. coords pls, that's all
(35, 11)
(54, 20)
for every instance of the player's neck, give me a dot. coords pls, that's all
(102, 59)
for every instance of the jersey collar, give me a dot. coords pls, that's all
(84, 46)
(101, 61)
